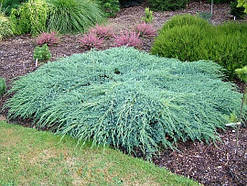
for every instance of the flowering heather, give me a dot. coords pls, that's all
(47, 38)
(145, 29)
(127, 38)
(102, 31)
(91, 41)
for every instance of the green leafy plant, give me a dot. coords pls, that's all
(194, 40)
(165, 5)
(73, 16)
(127, 99)
(2, 86)
(5, 27)
(111, 7)
(30, 17)
(148, 18)
(42, 53)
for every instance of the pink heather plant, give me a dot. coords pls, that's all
(102, 31)
(145, 29)
(47, 38)
(127, 38)
(91, 41)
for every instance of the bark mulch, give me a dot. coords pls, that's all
(210, 164)
(223, 164)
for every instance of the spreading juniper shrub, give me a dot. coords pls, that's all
(127, 99)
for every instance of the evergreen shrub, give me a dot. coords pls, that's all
(8, 5)
(165, 5)
(191, 41)
(183, 20)
(127, 99)
(110, 7)
(30, 17)
(42, 53)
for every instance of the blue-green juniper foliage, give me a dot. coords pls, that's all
(127, 99)
(2, 86)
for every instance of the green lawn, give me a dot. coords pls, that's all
(32, 157)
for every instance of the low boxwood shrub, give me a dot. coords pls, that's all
(224, 44)
(127, 99)
(165, 5)
(5, 27)
(42, 53)
(2, 86)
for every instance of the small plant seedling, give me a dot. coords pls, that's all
(148, 18)
(41, 53)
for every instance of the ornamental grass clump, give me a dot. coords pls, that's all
(73, 16)
(127, 99)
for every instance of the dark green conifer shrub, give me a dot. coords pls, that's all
(8, 5)
(2, 86)
(127, 99)
(186, 19)
(192, 41)
(165, 5)
(111, 7)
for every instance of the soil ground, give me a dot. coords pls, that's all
(220, 164)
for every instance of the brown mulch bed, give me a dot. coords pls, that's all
(208, 164)
(220, 164)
